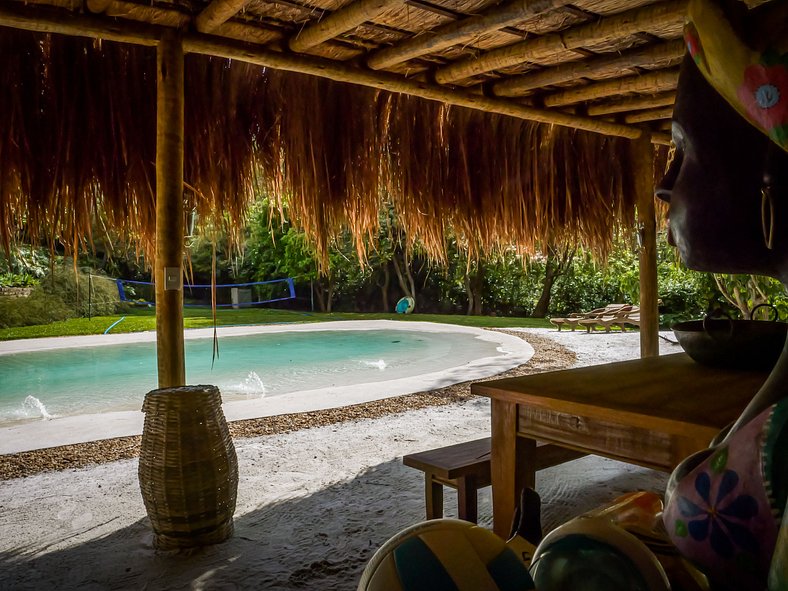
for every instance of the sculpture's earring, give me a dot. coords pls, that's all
(767, 215)
(767, 201)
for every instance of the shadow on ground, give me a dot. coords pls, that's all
(321, 541)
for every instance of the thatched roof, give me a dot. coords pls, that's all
(481, 129)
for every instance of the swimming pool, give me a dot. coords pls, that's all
(98, 379)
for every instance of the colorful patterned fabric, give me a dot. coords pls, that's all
(754, 82)
(725, 514)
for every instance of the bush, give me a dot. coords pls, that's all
(38, 308)
(85, 295)
(62, 295)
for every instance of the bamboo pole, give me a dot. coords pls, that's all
(632, 104)
(660, 138)
(648, 19)
(649, 115)
(98, 6)
(340, 21)
(670, 51)
(101, 27)
(217, 13)
(48, 20)
(461, 32)
(647, 228)
(169, 211)
(653, 82)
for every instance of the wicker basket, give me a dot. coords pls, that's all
(188, 468)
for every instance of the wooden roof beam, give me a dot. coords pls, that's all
(461, 32)
(338, 22)
(649, 115)
(653, 82)
(653, 17)
(217, 13)
(98, 6)
(670, 51)
(83, 25)
(632, 104)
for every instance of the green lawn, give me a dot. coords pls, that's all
(144, 319)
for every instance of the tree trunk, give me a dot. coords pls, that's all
(384, 289)
(556, 265)
(404, 274)
(550, 275)
(474, 285)
(329, 296)
(469, 291)
(321, 296)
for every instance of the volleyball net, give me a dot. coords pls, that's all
(228, 295)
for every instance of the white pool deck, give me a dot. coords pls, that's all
(512, 351)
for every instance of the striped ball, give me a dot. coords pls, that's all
(445, 555)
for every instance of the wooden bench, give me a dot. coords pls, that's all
(466, 468)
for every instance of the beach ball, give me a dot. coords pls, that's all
(593, 554)
(445, 555)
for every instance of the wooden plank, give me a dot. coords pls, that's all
(452, 461)
(460, 32)
(649, 18)
(670, 393)
(169, 212)
(644, 447)
(339, 22)
(590, 68)
(217, 13)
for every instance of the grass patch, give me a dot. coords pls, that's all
(143, 319)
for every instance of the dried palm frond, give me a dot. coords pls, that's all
(77, 143)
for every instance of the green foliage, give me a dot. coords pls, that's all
(61, 295)
(584, 287)
(84, 295)
(17, 280)
(25, 261)
(39, 308)
(743, 293)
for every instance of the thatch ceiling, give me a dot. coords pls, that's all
(78, 120)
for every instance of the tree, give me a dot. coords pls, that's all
(746, 292)
(558, 262)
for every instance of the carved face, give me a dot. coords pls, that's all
(714, 185)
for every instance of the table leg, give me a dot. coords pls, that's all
(512, 465)
(467, 501)
(433, 493)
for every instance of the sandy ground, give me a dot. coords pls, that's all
(313, 504)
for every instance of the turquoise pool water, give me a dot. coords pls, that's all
(86, 380)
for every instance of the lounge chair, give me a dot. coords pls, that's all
(574, 320)
(621, 317)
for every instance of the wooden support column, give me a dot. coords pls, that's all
(169, 211)
(647, 231)
(512, 465)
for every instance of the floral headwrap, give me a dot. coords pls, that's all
(754, 83)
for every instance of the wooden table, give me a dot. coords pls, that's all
(653, 412)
